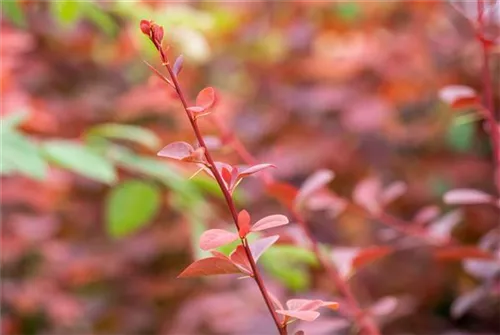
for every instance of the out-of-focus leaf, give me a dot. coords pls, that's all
(66, 11)
(130, 206)
(458, 253)
(301, 315)
(348, 11)
(458, 96)
(441, 229)
(21, 155)
(367, 193)
(99, 17)
(80, 159)
(467, 196)
(126, 132)
(316, 181)
(371, 254)
(12, 10)
(13, 120)
(464, 302)
(460, 136)
(284, 192)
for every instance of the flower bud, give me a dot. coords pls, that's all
(157, 32)
(145, 27)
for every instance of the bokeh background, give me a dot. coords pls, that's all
(95, 227)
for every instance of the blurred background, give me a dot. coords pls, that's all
(95, 227)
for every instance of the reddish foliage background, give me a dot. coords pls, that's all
(305, 86)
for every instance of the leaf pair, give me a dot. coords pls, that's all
(233, 175)
(218, 264)
(371, 195)
(303, 309)
(214, 238)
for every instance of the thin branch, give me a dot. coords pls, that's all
(227, 196)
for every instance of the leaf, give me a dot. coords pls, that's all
(13, 120)
(458, 96)
(254, 169)
(457, 253)
(208, 267)
(126, 132)
(178, 64)
(371, 254)
(366, 194)
(384, 306)
(343, 258)
(130, 206)
(215, 238)
(196, 109)
(240, 259)
(275, 300)
(392, 192)
(315, 182)
(260, 246)
(426, 214)
(20, 154)
(285, 193)
(176, 150)
(206, 98)
(80, 159)
(303, 304)
(467, 196)
(243, 223)
(465, 301)
(441, 229)
(13, 12)
(270, 221)
(301, 315)
(460, 137)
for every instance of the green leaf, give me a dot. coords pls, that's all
(288, 264)
(12, 11)
(126, 132)
(460, 136)
(66, 11)
(19, 154)
(130, 206)
(80, 159)
(13, 120)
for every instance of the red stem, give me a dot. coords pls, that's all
(489, 102)
(229, 200)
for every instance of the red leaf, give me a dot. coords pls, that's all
(179, 62)
(285, 193)
(366, 194)
(244, 223)
(384, 306)
(392, 192)
(270, 221)
(457, 253)
(303, 304)
(301, 315)
(226, 175)
(369, 255)
(176, 150)
(215, 238)
(426, 214)
(441, 229)
(208, 267)
(315, 182)
(467, 196)
(260, 246)
(145, 26)
(254, 169)
(206, 98)
(157, 32)
(458, 96)
(240, 259)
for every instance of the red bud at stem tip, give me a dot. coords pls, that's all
(157, 33)
(145, 27)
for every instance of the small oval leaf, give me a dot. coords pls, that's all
(176, 150)
(179, 62)
(467, 196)
(208, 267)
(206, 98)
(270, 221)
(214, 238)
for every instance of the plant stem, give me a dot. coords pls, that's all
(227, 196)
(494, 128)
